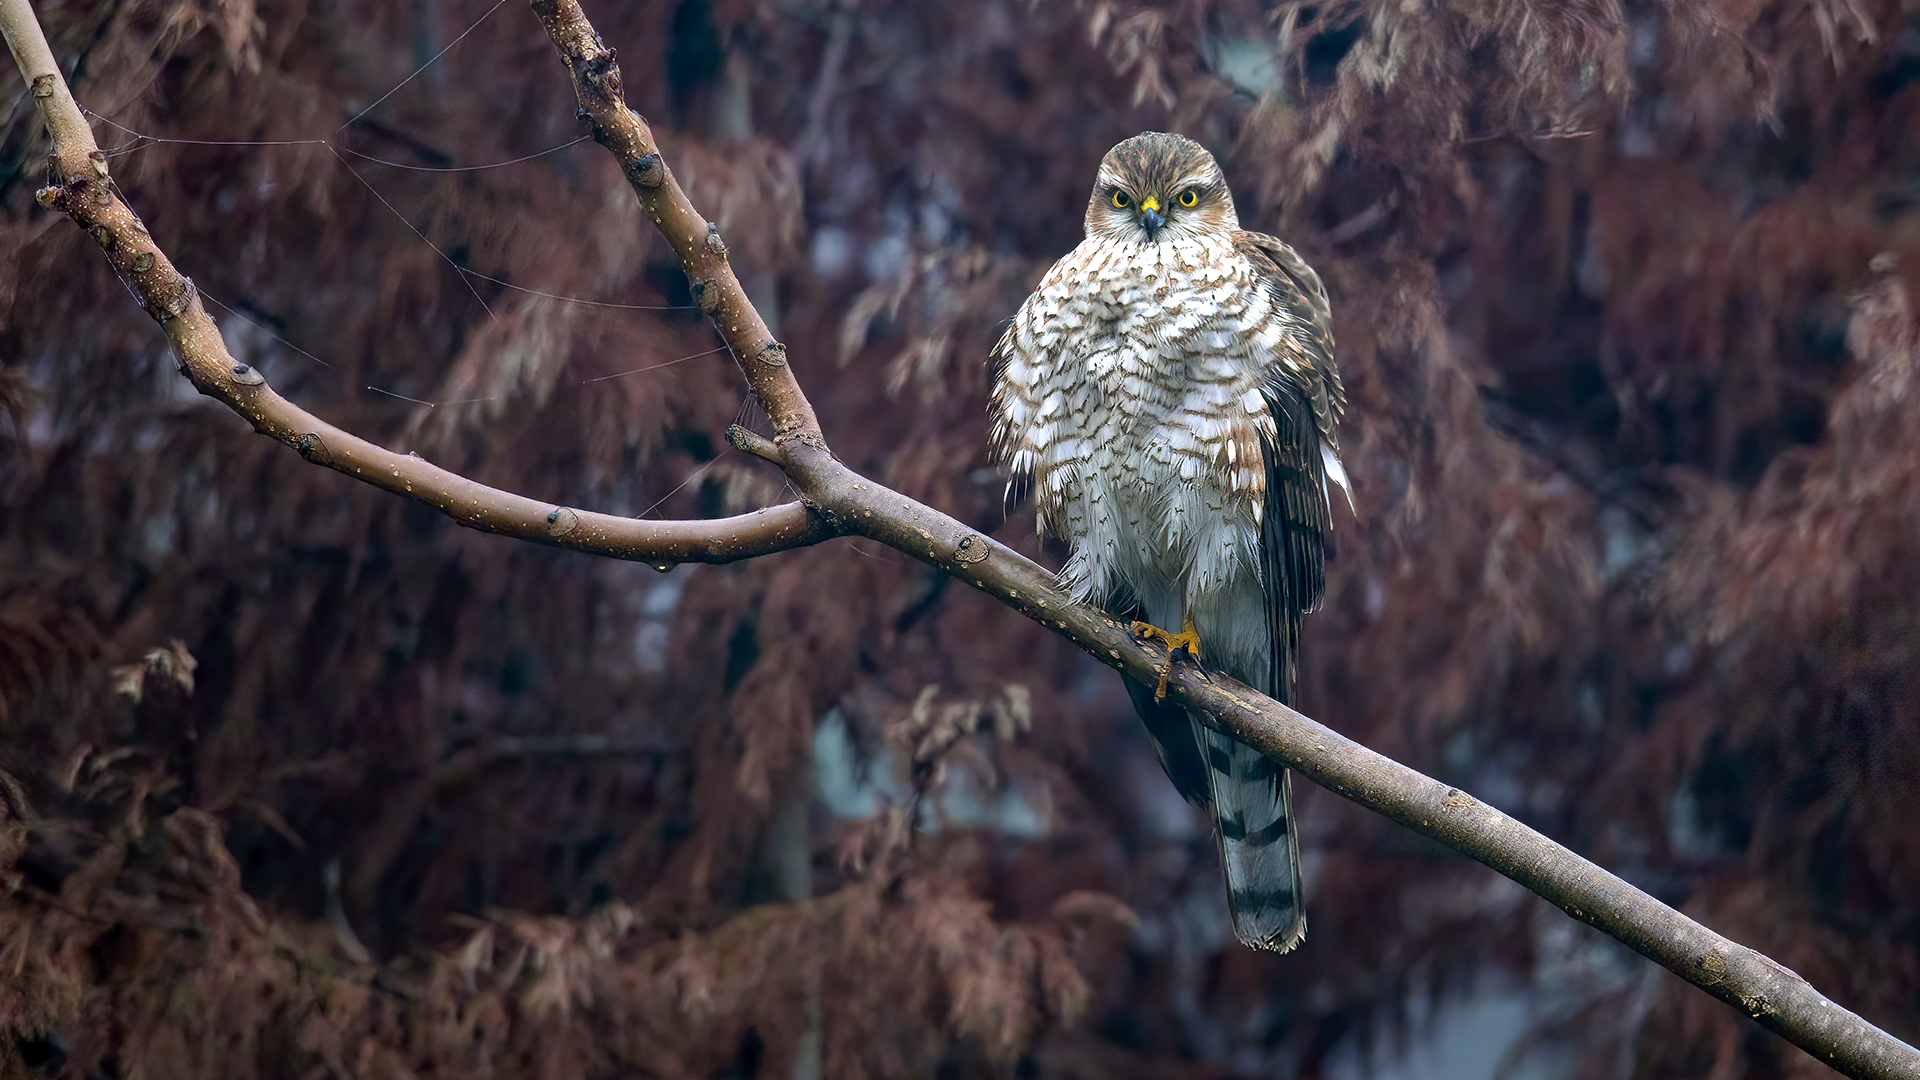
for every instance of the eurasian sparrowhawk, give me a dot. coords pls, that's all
(1170, 392)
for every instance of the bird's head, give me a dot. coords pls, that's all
(1157, 186)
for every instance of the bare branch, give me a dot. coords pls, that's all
(702, 251)
(1757, 985)
(838, 501)
(1760, 987)
(79, 186)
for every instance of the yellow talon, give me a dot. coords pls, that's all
(1188, 638)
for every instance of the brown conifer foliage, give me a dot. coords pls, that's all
(297, 777)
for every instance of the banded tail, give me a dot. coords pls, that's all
(1252, 800)
(1253, 817)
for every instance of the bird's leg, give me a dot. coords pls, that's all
(1188, 638)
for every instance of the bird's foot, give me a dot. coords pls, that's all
(1187, 639)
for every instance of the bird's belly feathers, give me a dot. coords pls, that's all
(1170, 541)
(1147, 519)
(1139, 414)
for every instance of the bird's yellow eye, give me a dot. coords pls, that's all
(1189, 197)
(1120, 200)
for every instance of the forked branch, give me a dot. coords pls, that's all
(79, 185)
(837, 501)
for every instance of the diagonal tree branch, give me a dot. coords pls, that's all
(80, 186)
(837, 501)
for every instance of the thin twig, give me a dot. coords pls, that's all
(758, 445)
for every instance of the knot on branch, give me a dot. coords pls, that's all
(708, 295)
(785, 434)
(971, 549)
(74, 196)
(313, 448)
(714, 243)
(1713, 967)
(647, 171)
(601, 70)
(171, 297)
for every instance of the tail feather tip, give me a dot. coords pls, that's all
(1283, 941)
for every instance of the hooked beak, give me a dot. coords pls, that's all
(1150, 216)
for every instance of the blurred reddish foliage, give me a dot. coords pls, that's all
(299, 778)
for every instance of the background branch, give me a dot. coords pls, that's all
(836, 500)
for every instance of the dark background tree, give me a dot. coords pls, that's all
(1629, 440)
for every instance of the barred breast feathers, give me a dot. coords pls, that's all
(1130, 390)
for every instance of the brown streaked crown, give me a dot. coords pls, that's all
(1160, 165)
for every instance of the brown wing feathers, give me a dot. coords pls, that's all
(1305, 398)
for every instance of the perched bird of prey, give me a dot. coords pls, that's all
(1169, 391)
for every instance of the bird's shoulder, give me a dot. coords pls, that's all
(1296, 289)
(1287, 278)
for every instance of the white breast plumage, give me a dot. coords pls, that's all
(1131, 392)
